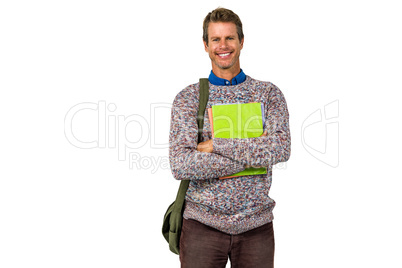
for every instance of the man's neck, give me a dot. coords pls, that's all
(217, 81)
(227, 74)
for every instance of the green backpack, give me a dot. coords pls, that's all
(173, 219)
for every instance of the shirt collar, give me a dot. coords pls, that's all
(217, 81)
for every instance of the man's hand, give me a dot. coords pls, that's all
(205, 146)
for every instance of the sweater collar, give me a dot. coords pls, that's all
(217, 81)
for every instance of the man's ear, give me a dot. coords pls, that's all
(205, 46)
(241, 43)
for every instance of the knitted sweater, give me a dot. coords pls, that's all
(233, 205)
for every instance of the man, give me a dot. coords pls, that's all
(227, 218)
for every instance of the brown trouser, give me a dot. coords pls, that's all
(204, 247)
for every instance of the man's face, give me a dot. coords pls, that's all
(223, 46)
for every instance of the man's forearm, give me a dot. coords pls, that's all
(256, 152)
(190, 164)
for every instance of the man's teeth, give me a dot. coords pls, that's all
(223, 55)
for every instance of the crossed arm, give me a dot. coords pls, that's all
(208, 146)
(185, 161)
(222, 157)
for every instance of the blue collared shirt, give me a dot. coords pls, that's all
(217, 81)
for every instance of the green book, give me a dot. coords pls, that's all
(238, 121)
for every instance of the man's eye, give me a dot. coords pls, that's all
(214, 40)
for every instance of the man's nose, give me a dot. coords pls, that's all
(222, 43)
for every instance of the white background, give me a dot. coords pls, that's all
(65, 206)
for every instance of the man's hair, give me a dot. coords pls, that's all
(222, 15)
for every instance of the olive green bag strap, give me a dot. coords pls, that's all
(173, 219)
(204, 95)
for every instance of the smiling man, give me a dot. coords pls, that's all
(227, 218)
(223, 46)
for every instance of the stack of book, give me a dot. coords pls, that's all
(238, 121)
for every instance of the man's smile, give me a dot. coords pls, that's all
(224, 55)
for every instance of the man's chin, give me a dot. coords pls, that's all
(225, 66)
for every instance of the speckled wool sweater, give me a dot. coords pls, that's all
(233, 205)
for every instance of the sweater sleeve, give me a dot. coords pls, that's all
(266, 150)
(185, 161)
